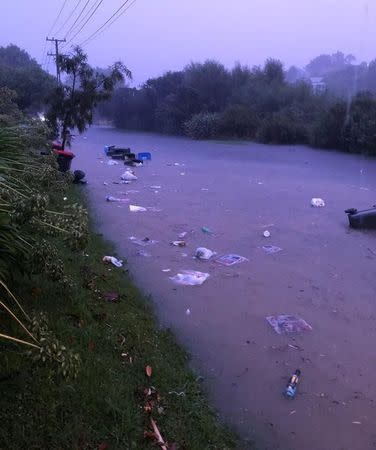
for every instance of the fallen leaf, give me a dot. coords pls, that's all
(35, 291)
(148, 407)
(148, 371)
(149, 435)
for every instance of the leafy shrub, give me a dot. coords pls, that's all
(238, 121)
(283, 128)
(329, 129)
(349, 127)
(203, 126)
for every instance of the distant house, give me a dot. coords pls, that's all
(318, 84)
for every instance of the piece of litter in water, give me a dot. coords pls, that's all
(230, 260)
(204, 189)
(190, 278)
(128, 175)
(142, 242)
(266, 233)
(288, 324)
(110, 198)
(295, 347)
(356, 422)
(204, 253)
(178, 243)
(317, 202)
(144, 253)
(188, 312)
(111, 259)
(184, 255)
(135, 208)
(166, 270)
(112, 162)
(182, 173)
(155, 187)
(270, 249)
(105, 183)
(206, 230)
(183, 234)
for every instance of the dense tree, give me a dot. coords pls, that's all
(22, 74)
(324, 64)
(71, 104)
(9, 111)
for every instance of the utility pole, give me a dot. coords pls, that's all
(56, 55)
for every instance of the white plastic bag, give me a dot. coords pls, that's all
(111, 259)
(128, 175)
(204, 253)
(317, 202)
(190, 278)
(135, 208)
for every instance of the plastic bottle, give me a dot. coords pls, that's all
(290, 390)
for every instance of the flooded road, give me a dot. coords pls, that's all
(325, 273)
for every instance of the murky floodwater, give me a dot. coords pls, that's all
(325, 273)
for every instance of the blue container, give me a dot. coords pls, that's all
(144, 156)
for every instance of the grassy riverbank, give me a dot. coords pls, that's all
(109, 405)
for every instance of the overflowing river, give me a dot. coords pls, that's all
(325, 274)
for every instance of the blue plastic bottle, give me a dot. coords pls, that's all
(290, 390)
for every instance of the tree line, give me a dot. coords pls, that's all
(267, 104)
(205, 100)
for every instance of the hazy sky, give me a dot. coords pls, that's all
(158, 35)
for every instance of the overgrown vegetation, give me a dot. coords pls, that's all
(207, 101)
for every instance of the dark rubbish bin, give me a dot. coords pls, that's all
(64, 160)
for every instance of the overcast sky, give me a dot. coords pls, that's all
(158, 35)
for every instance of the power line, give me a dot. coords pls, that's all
(91, 15)
(58, 16)
(69, 17)
(101, 29)
(80, 22)
(77, 18)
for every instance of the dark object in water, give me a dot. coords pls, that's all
(362, 219)
(79, 176)
(115, 152)
(133, 162)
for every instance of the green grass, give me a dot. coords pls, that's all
(40, 410)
